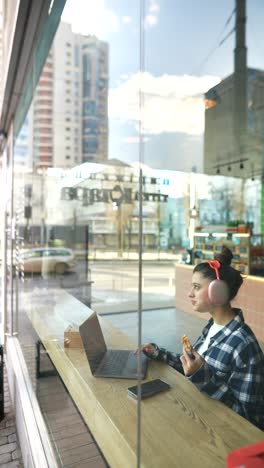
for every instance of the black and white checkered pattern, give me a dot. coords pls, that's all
(233, 369)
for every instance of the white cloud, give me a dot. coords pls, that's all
(152, 14)
(90, 17)
(135, 139)
(126, 19)
(172, 103)
(154, 6)
(151, 20)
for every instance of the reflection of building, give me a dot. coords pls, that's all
(94, 56)
(43, 122)
(24, 146)
(220, 154)
(105, 197)
(80, 77)
(234, 119)
(229, 151)
(69, 110)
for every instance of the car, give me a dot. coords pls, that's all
(48, 260)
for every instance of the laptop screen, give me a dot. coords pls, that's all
(93, 340)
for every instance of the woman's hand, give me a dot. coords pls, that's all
(147, 348)
(191, 365)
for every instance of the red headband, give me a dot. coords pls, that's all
(215, 265)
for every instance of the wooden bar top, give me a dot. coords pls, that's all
(180, 427)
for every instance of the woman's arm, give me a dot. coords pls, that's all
(247, 384)
(241, 387)
(161, 354)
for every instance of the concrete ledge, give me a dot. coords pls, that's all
(104, 308)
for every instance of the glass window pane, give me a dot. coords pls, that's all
(140, 156)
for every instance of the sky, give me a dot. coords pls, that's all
(177, 57)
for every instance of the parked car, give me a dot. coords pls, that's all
(48, 260)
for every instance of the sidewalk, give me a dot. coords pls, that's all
(10, 454)
(126, 255)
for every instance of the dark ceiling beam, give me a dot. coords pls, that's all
(26, 27)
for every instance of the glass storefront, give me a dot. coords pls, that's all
(132, 152)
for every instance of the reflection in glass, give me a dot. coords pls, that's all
(78, 158)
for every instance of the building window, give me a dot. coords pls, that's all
(76, 56)
(89, 108)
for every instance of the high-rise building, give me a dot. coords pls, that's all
(69, 109)
(24, 143)
(94, 56)
(222, 155)
(44, 117)
(234, 116)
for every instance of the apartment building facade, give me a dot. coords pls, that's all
(69, 112)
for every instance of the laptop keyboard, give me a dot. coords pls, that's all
(96, 360)
(115, 362)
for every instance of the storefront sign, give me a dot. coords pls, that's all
(85, 173)
(118, 195)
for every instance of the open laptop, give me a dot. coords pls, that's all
(103, 362)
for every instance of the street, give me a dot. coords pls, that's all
(112, 285)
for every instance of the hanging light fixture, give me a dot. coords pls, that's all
(229, 159)
(242, 153)
(194, 212)
(252, 172)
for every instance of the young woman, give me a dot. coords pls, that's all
(226, 361)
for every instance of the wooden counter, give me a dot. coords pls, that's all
(249, 298)
(180, 427)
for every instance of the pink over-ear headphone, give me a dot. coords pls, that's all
(218, 292)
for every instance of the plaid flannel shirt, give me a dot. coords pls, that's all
(233, 368)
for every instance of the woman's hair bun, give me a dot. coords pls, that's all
(225, 256)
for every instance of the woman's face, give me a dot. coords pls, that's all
(199, 293)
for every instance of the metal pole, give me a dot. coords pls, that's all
(140, 224)
(86, 251)
(13, 227)
(4, 249)
(240, 78)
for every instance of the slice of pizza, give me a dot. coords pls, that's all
(186, 343)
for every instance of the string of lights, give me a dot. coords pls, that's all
(230, 164)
